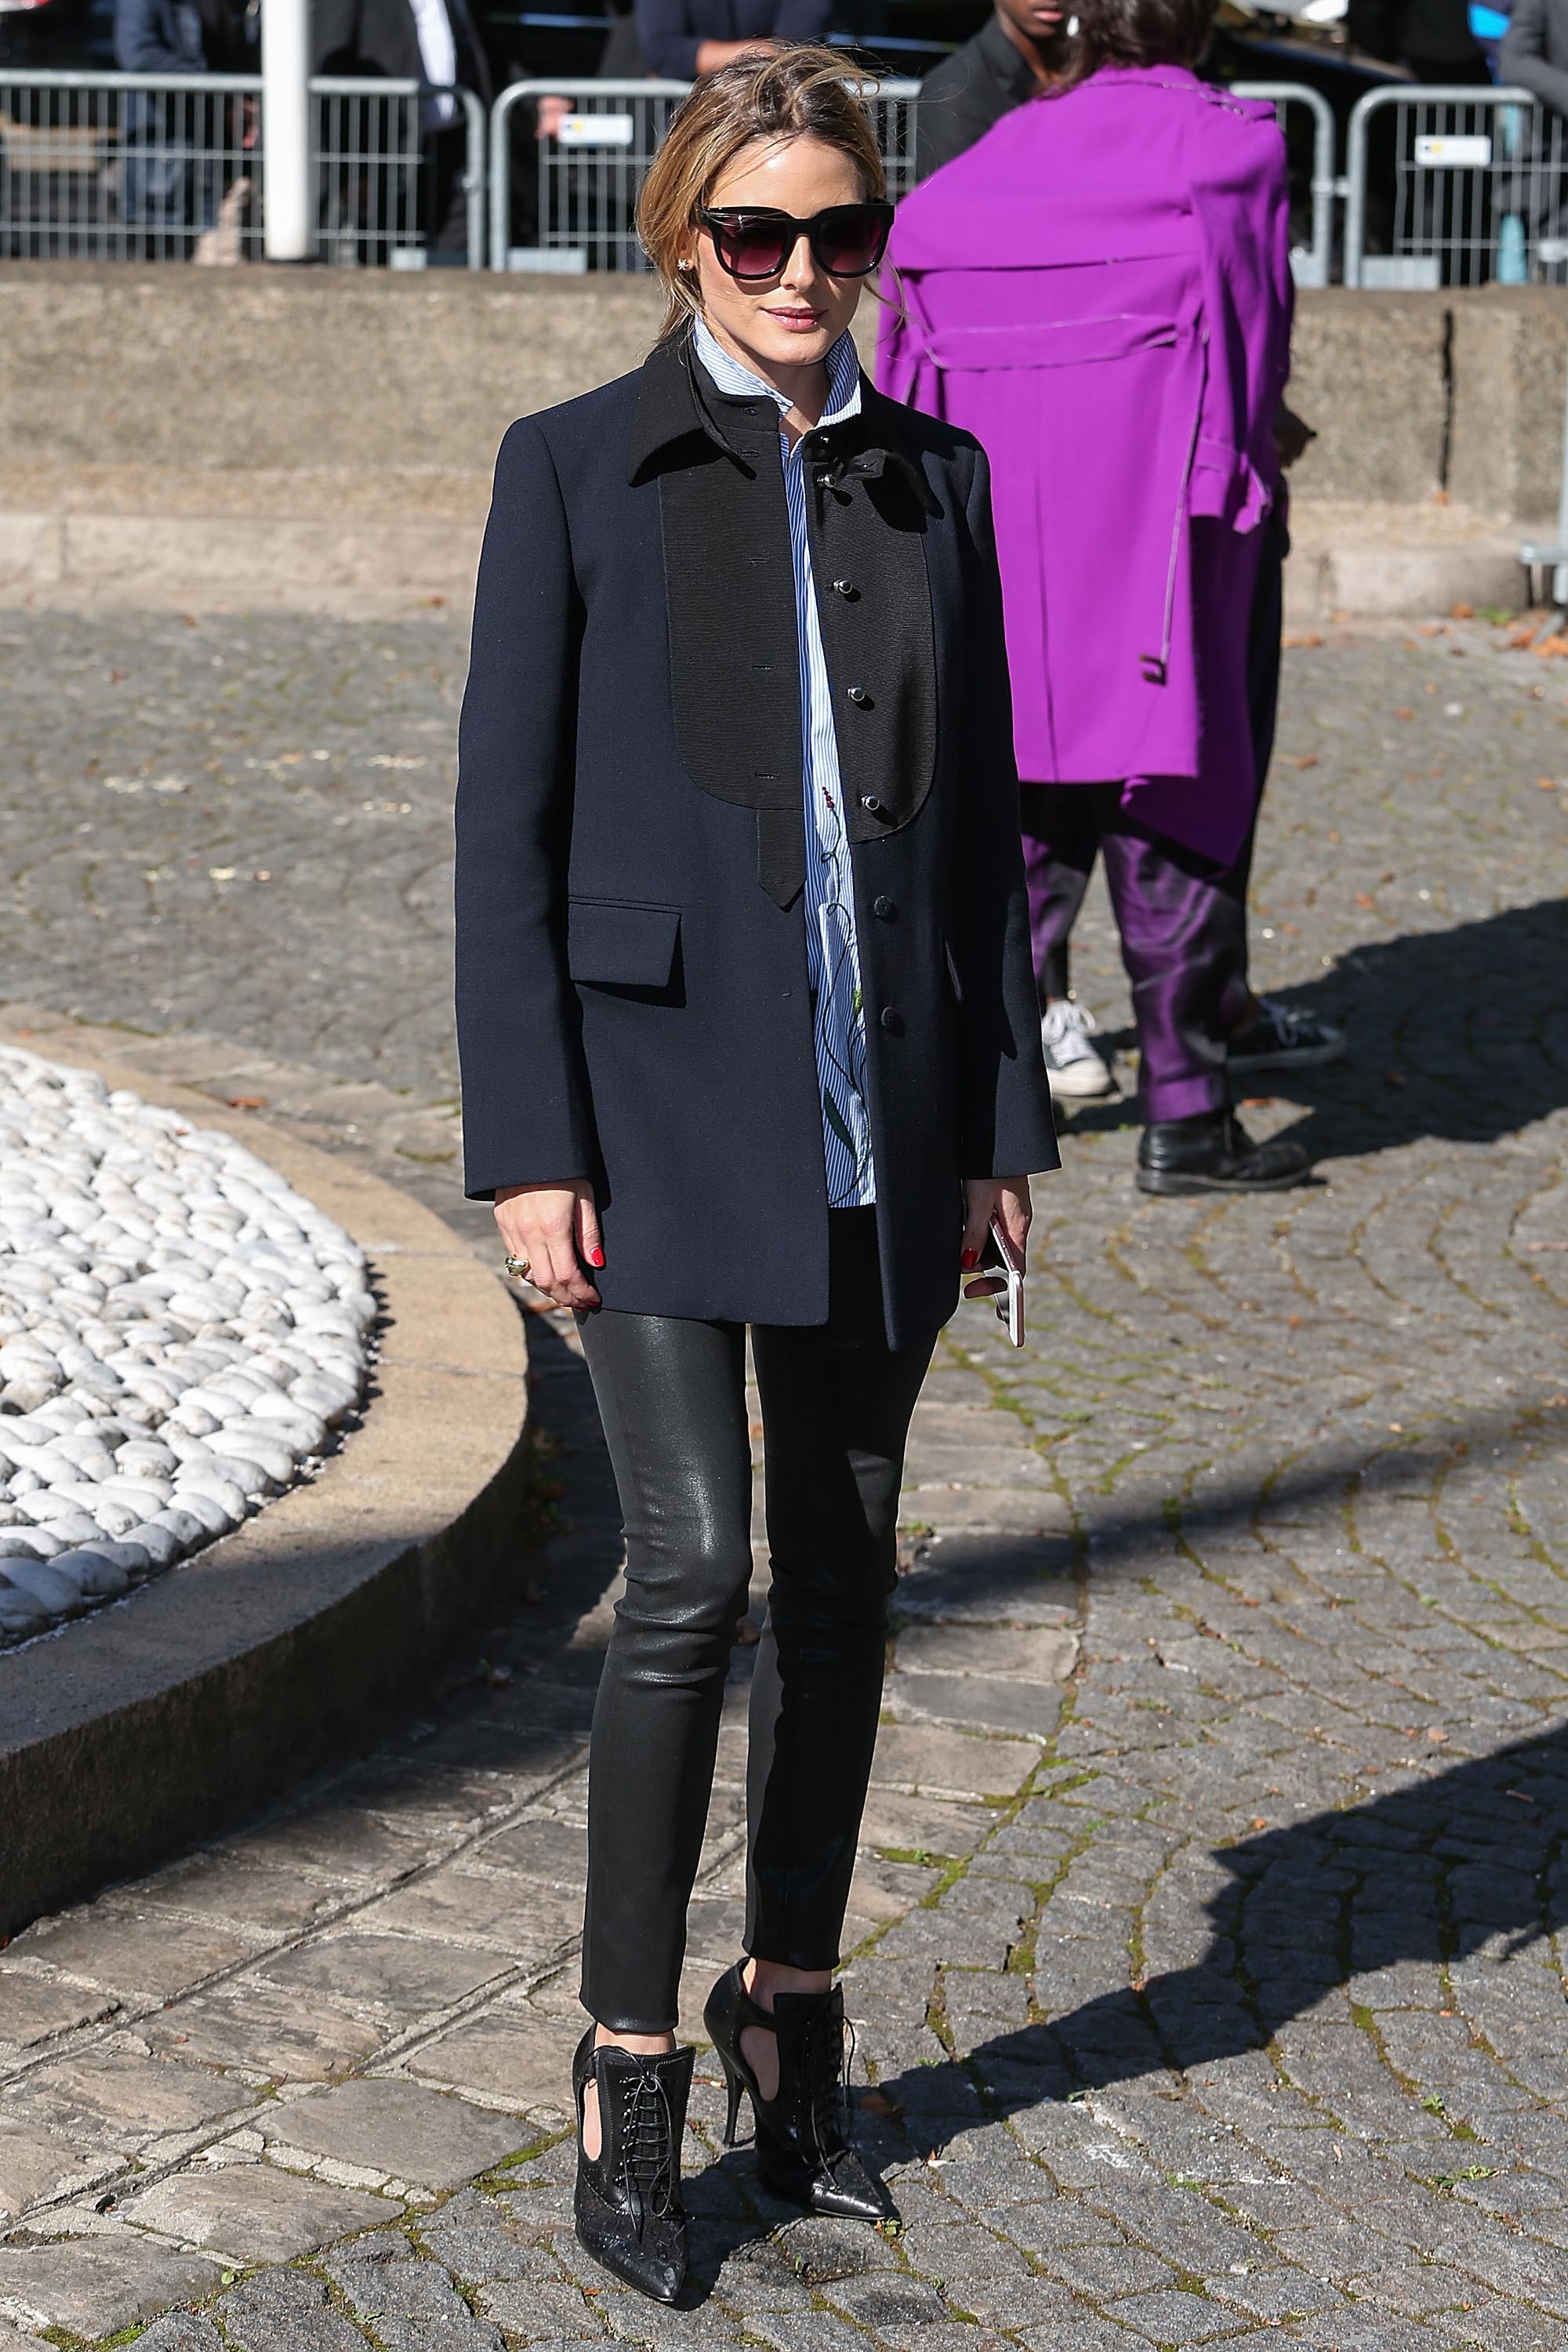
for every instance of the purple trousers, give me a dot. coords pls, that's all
(1182, 923)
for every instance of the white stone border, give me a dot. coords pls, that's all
(179, 1331)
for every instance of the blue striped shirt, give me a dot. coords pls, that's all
(832, 954)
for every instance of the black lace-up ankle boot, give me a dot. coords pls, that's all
(627, 2206)
(804, 2151)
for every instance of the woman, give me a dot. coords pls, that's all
(1100, 289)
(748, 1038)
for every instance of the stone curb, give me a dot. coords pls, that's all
(147, 1724)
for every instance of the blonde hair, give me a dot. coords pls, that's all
(805, 92)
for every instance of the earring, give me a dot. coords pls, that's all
(683, 265)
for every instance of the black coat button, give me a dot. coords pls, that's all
(858, 694)
(870, 800)
(893, 1020)
(885, 908)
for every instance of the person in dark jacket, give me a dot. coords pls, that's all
(433, 41)
(174, 143)
(684, 38)
(1020, 50)
(1534, 52)
(748, 1038)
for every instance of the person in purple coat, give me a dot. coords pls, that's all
(1099, 289)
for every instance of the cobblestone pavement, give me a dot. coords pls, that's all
(1207, 1978)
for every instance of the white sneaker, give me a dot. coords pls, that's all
(1078, 1071)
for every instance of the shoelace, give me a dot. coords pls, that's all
(647, 2157)
(1292, 1028)
(828, 2054)
(1064, 1019)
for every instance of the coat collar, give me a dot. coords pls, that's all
(680, 413)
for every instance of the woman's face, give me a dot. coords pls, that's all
(792, 319)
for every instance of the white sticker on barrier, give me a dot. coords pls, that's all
(596, 129)
(1448, 151)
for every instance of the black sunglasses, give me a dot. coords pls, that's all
(752, 244)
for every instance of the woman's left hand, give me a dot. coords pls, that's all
(1006, 1198)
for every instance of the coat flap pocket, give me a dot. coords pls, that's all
(612, 943)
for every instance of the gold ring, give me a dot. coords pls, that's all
(520, 1267)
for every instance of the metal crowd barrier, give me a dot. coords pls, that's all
(567, 200)
(1454, 187)
(1311, 264)
(171, 167)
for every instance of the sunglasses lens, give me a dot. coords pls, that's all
(850, 241)
(751, 247)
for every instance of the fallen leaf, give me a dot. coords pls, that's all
(1461, 612)
(1258, 1102)
(1516, 638)
(1546, 783)
(1306, 759)
(1434, 628)
(1405, 714)
(1437, 1736)
(246, 1102)
(1551, 648)
(1393, 1077)
(1296, 640)
(1258, 1823)
(877, 2103)
(1362, 899)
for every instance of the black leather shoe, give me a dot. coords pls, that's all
(1213, 1153)
(803, 2153)
(627, 2206)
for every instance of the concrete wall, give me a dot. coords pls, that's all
(1370, 374)
(1510, 359)
(272, 369)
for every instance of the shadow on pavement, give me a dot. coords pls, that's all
(1426, 1875)
(999, 1576)
(1461, 1034)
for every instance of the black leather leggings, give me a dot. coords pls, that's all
(836, 1404)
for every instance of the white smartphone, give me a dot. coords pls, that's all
(1003, 1284)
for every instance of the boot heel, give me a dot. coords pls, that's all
(735, 2085)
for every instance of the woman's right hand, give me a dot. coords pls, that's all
(556, 1228)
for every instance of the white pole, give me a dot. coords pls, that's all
(286, 128)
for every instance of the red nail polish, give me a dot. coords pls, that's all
(970, 1260)
(596, 1257)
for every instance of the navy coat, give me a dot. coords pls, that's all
(633, 1003)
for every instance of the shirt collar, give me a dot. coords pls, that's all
(730, 375)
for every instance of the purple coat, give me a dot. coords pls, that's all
(1100, 290)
